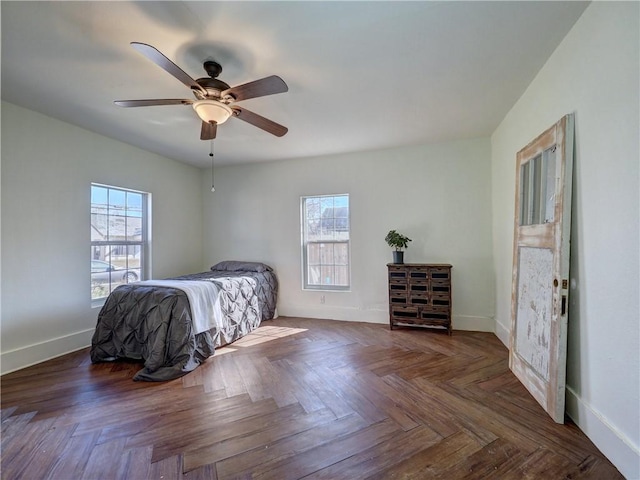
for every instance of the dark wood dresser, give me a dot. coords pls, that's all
(420, 295)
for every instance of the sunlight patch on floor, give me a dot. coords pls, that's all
(222, 350)
(266, 334)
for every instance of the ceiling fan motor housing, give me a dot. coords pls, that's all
(212, 86)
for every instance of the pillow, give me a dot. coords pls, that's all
(236, 266)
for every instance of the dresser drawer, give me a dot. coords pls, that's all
(400, 312)
(418, 288)
(441, 300)
(398, 300)
(418, 274)
(419, 299)
(397, 289)
(436, 316)
(398, 274)
(440, 274)
(440, 289)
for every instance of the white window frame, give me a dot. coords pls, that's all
(305, 242)
(143, 243)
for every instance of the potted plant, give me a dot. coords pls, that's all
(398, 242)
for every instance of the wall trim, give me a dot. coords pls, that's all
(347, 314)
(39, 352)
(502, 332)
(613, 444)
(327, 312)
(472, 323)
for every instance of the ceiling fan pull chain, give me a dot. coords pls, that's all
(211, 155)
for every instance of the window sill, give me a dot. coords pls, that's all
(333, 290)
(98, 303)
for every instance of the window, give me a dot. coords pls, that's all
(325, 242)
(118, 238)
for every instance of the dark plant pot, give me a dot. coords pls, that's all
(398, 257)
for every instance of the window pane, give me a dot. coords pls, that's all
(328, 227)
(312, 218)
(99, 223)
(326, 254)
(117, 225)
(325, 203)
(313, 255)
(326, 272)
(341, 254)
(525, 210)
(133, 263)
(342, 276)
(536, 193)
(133, 229)
(117, 200)
(313, 277)
(313, 208)
(134, 204)
(99, 213)
(550, 185)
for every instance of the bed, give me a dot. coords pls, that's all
(174, 325)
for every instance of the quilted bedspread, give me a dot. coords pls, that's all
(154, 323)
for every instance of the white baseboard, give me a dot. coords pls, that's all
(347, 314)
(30, 355)
(502, 332)
(612, 443)
(473, 324)
(328, 312)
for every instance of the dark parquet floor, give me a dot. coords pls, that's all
(298, 398)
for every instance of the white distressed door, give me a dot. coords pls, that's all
(539, 295)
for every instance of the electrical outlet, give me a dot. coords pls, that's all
(322, 299)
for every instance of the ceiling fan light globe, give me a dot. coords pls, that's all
(212, 111)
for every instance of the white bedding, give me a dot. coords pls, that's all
(204, 299)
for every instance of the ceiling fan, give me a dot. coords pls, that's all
(215, 100)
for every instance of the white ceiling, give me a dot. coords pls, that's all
(361, 75)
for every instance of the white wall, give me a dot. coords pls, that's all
(438, 195)
(594, 73)
(47, 169)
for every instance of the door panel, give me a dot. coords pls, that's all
(541, 266)
(534, 304)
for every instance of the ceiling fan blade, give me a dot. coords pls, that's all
(208, 131)
(163, 62)
(259, 121)
(257, 88)
(152, 102)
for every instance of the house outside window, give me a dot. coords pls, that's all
(118, 238)
(326, 242)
